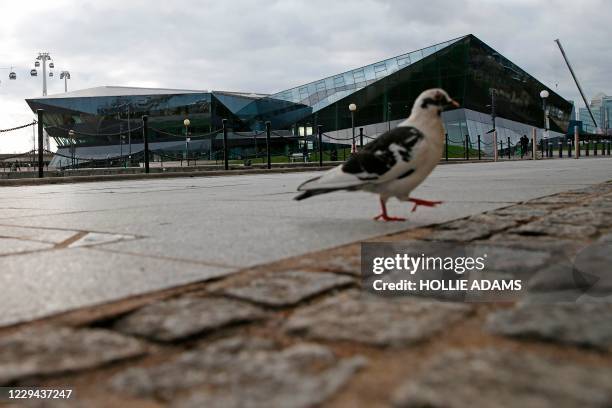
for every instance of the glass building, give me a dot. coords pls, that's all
(106, 121)
(601, 107)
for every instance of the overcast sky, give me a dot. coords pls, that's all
(268, 46)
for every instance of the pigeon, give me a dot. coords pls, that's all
(396, 162)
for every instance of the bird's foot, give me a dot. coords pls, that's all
(385, 217)
(426, 203)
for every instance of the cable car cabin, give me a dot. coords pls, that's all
(33, 72)
(36, 63)
(50, 74)
(12, 75)
(51, 65)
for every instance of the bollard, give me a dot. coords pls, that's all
(560, 149)
(467, 147)
(478, 147)
(145, 137)
(320, 133)
(360, 138)
(588, 142)
(550, 149)
(446, 147)
(569, 148)
(534, 144)
(609, 143)
(577, 141)
(40, 143)
(268, 153)
(501, 149)
(225, 152)
(595, 147)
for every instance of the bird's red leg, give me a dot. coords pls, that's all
(426, 203)
(384, 216)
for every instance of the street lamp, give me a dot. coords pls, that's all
(187, 122)
(544, 95)
(65, 75)
(353, 108)
(71, 136)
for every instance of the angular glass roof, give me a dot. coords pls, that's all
(321, 93)
(118, 91)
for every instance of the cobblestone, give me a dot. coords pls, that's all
(373, 320)
(176, 319)
(524, 212)
(475, 227)
(288, 288)
(48, 350)
(554, 229)
(239, 372)
(585, 324)
(345, 264)
(571, 197)
(581, 216)
(502, 378)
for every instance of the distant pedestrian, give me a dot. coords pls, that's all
(524, 145)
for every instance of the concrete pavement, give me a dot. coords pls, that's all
(68, 246)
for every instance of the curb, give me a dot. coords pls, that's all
(144, 176)
(178, 174)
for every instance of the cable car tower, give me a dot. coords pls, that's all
(42, 58)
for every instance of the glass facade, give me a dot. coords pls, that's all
(384, 92)
(468, 70)
(601, 107)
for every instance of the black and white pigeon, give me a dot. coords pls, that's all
(396, 162)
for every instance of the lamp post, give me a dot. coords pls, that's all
(544, 95)
(353, 108)
(71, 136)
(65, 75)
(187, 122)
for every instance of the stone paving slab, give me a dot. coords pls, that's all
(49, 350)
(582, 324)
(15, 246)
(240, 372)
(288, 288)
(373, 320)
(81, 270)
(97, 238)
(48, 235)
(183, 317)
(503, 378)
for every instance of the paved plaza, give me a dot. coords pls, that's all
(73, 245)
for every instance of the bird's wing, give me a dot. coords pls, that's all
(386, 158)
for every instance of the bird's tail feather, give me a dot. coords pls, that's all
(328, 183)
(310, 193)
